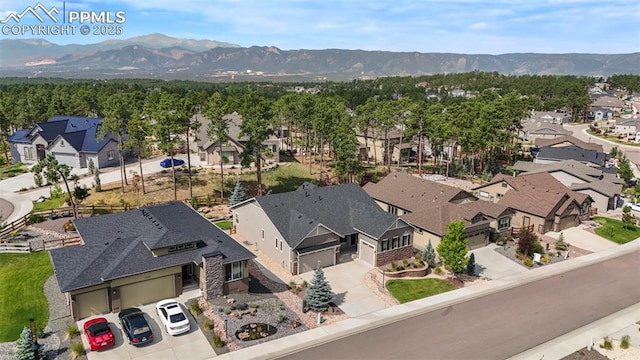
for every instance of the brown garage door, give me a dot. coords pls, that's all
(309, 262)
(367, 252)
(148, 291)
(567, 222)
(477, 240)
(92, 303)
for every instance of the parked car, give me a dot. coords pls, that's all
(173, 318)
(135, 326)
(99, 334)
(634, 207)
(166, 163)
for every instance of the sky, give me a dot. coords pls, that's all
(455, 26)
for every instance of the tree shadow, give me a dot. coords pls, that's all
(338, 299)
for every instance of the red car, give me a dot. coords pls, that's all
(99, 334)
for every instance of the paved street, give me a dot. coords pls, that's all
(501, 324)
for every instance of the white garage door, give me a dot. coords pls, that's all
(367, 252)
(309, 262)
(92, 303)
(146, 292)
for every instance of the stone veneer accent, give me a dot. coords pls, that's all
(386, 257)
(213, 276)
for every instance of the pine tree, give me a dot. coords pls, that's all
(96, 180)
(23, 345)
(91, 167)
(429, 255)
(471, 265)
(237, 196)
(318, 294)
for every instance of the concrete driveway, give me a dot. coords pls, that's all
(579, 237)
(192, 345)
(493, 265)
(347, 281)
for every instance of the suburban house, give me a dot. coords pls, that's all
(590, 157)
(604, 188)
(533, 129)
(71, 140)
(599, 114)
(554, 117)
(210, 153)
(145, 255)
(312, 226)
(373, 147)
(612, 103)
(430, 206)
(568, 140)
(628, 127)
(539, 201)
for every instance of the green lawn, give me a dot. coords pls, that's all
(409, 290)
(49, 204)
(284, 178)
(225, 224)
(614, 230)
(22, 278)
(12, 170)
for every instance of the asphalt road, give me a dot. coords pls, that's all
(502, 324)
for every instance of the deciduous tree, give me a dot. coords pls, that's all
(453, 247)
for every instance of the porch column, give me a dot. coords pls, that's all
(213, 275)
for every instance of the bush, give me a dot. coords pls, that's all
(528, 262)
(560, 244)
(242, 306)
(195, 309)
(34, 218)
(77, 350)
(208, 325)
(217, 341)
(624, 342)
(437, 270)
(71, 332)
(607, 344)
(282, 318)
(254, 305)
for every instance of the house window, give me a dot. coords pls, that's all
(276, 243)
(584, 209)
(61, 143)
(280, 245)
(504, 185)
(28, 153)
(483, 194)
(504, 222)
(233, 271)
(499, 195)
(385, 244)
(111, 155)
(395, 243)
(392, 209)
(406, 240)
(262, 235)
(236, 218)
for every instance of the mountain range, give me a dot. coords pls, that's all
(161, 56)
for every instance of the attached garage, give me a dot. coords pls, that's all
(92, 303)
(147, 291)
(567, 222)
(309, 261)
(477, 240)
(367, 252)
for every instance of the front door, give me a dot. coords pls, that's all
(40, 152)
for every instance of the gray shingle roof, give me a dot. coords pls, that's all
(118, 245)
(341, 208)
(572, 152)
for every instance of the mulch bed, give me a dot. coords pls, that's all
(584, 354)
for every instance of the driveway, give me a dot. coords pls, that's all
(347, 281)
(192, 345)
(583, 239)
(492, 265)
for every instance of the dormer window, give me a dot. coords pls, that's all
(62, 143)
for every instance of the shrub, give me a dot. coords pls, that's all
(71, 332)
(560, 244)
(242, 306)
(254, 305)
(227, 311)
(528, 262)
(305, 283)
(607, 344)
(545, 259)
(437, 270)
(624, 342)
(77, 350)
(282, 318)
(195, 309)
(394, 266)
(405, 263)
(207, 324)
(292, 284)
(34, 218)
(232, 307)
(220, 309)
(217, 341)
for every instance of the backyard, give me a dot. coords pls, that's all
(409, 290)
(615, 230)
(22, 277)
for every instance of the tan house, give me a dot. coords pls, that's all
(604, 188)
(533, 129)
(315, 227)
(146, 255)
(210, 152)
(430, 206)
(568, 140)
(538, 199)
